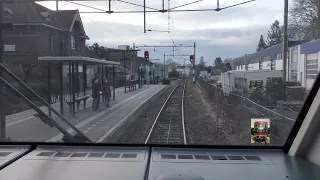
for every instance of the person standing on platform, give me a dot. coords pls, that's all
(106, 92)
(96, 94)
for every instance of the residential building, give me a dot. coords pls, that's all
(303, 64)
(183, 70)
(39, 31)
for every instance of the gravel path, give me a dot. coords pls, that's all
(236, 124)
(200, 119)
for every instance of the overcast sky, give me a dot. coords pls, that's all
(229, 33)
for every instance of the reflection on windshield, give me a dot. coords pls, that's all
(261, 126)
(73, 73)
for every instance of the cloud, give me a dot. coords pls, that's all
(228, 33)
(224, 42)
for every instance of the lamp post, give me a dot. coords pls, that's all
(140, 75)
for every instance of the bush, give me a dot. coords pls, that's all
(173, 74)
(165, 82)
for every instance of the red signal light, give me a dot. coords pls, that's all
(146, 55)
(191, 59)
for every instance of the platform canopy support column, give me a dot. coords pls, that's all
(113, 82)
(49, 87)
(73, 91)
(61, 87)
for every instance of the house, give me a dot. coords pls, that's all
(183, 70)
(39, 31)
(132, 62)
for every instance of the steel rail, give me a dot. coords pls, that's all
(161, 110)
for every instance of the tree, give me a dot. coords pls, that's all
(174, 73)
(275, 34)
(262, 44)
(202, 64)
(218, 64)
(171, 63)
(305, 19)
(209, 69)
(98, 50)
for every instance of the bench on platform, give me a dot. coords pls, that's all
(82, 98)
(133, 85)
(78, 100)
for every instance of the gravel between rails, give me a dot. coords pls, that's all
(200, 119)
(139, 129)
(168, 128)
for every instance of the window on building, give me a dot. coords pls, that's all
(278, 56)
(7, 12)
(33, 29)
(273, 65)
(73, 42)
(312, 68)
(51, 42)
(294, 66)
(260, 65)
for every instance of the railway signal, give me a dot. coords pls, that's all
(146, 55)
(191, 59)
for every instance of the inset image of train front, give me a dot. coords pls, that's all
(260, 131)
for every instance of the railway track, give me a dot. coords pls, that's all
(168, 126)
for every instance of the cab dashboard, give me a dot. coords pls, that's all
(53, 162)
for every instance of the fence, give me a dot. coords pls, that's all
(234, 113)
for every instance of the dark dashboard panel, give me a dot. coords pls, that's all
(120, 163)
(87, 163)
(228, 164)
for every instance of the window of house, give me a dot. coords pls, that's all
(33, 29)
(7, 12)
(73, 42)
(16, 65)
(51, 42)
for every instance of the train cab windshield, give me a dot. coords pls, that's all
(91, 72)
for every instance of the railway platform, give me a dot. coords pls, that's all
(96, 125)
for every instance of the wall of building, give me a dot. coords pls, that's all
(303, 63)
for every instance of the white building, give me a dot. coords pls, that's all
(183, 70)
(302, 63)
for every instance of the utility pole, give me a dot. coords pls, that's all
(184, 66)
(144, 15)
(194, 63)
(57, 5)
(285, 40)
(164, 66)
(2, 112)
(133, 60)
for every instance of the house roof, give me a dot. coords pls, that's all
(77, 59)
(310, 47)
(268, 53)
(33, 13)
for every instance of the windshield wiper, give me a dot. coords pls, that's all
(79, 137)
